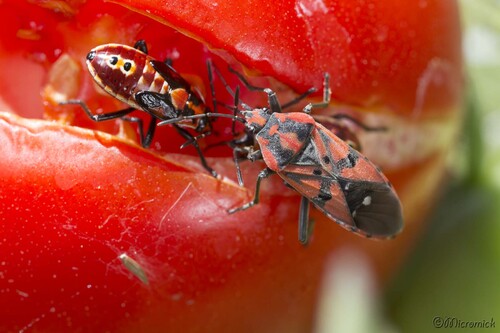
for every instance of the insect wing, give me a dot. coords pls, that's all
(346, 202)
(341, 160)
(346, 186)
(156, 104)
(323, 191)
(375, 207)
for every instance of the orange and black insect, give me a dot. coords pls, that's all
(323, 168)
(130, 75)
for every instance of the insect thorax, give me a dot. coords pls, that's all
(284, 137)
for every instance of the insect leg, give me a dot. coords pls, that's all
(274, 104)
(263, 174)
(236, 158)
(185, 134)
(251, 155)
(235, 142)
(217, 72)
(326, 96)
(150, 133)
(141, 46)
(341, 116)
(255, 155)
(98, 117)
(273, 100)
(297, 99)
(195, 138)
(145, 139)
(139, 123)
(207, 120)
(304, 231)
(326, 100)
(211, 81)
(244, 80)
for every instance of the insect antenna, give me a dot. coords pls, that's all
(228, 87)
(274, 104)
(211, 70)
(212, 87)
(245, 81)
(235, 109)
(197, 116)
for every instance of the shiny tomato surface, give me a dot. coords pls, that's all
(99, 234)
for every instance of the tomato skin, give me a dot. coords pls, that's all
(64, 227)
(63, 247)
(406, 55)
(73, 201)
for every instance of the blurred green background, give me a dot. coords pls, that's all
(455, 270)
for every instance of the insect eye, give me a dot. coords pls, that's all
(91, 55)
(127, 66)
(113, 61)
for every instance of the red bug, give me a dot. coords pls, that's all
(131, 76)
(324, 169)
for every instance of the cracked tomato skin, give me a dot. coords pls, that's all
(377, 52)
(98, 234)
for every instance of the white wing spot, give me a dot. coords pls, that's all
(367, 201)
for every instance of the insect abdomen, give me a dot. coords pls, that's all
(122, 71)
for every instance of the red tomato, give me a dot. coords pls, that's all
(378, 52)
(98, 234)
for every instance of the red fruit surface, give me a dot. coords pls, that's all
(98, 234)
